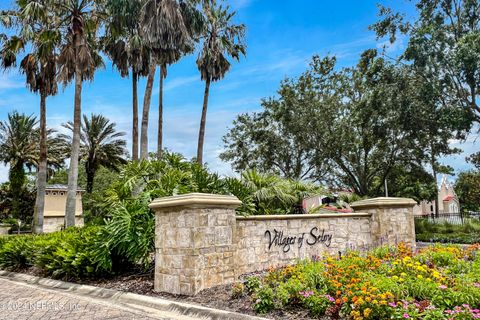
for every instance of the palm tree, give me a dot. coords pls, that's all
(19, 147)
(146, 111)
(166, 31)
(221, 39)
(194, 23)
(79, 22)
(101, 146)
(39, 66)
(128, 52)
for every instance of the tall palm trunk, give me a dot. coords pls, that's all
(135, 116)
(42, 169)
(201, 133)
(73, 171)
(163, 73)
(145, 114)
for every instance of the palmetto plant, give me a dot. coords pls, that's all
(101, 146)
(35, 32)
(268, 194)
(222, 39)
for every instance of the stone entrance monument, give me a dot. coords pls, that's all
(200, 242)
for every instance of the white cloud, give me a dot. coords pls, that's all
(171, 84)
(283, 62)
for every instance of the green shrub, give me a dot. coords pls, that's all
(73, 255)
(16, 252)
(128, 236)
(316, 304)
(449, 238)
(252, 283)
(67, 254)
(263, 300)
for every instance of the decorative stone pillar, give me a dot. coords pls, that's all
(392, 219)
(194, 242)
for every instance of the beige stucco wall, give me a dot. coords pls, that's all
(310, 235)
(54, 214)
(55, 202)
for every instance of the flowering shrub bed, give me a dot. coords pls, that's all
(440, 282)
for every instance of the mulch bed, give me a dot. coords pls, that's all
(219, 297)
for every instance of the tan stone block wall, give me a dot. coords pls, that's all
(253, 252)
(392, 219)
(392, 226)
(194, 249)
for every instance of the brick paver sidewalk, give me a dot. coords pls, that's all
(27, 302)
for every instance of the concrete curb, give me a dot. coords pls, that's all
(180, 308)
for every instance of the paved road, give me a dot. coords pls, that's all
(29, 302)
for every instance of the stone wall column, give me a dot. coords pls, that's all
(194, 242)
(392, 219)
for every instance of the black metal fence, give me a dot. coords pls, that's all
(457, 218)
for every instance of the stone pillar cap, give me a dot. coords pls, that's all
(196, 200)
(383, 202)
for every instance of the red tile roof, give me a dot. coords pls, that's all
(448, 198)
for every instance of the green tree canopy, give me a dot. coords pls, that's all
(350, 127)
(467, 187)
(101, 146)
(443, 47)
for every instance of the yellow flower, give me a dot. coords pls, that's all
(366, 312)
(420, 276)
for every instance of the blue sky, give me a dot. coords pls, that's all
(281, 36)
